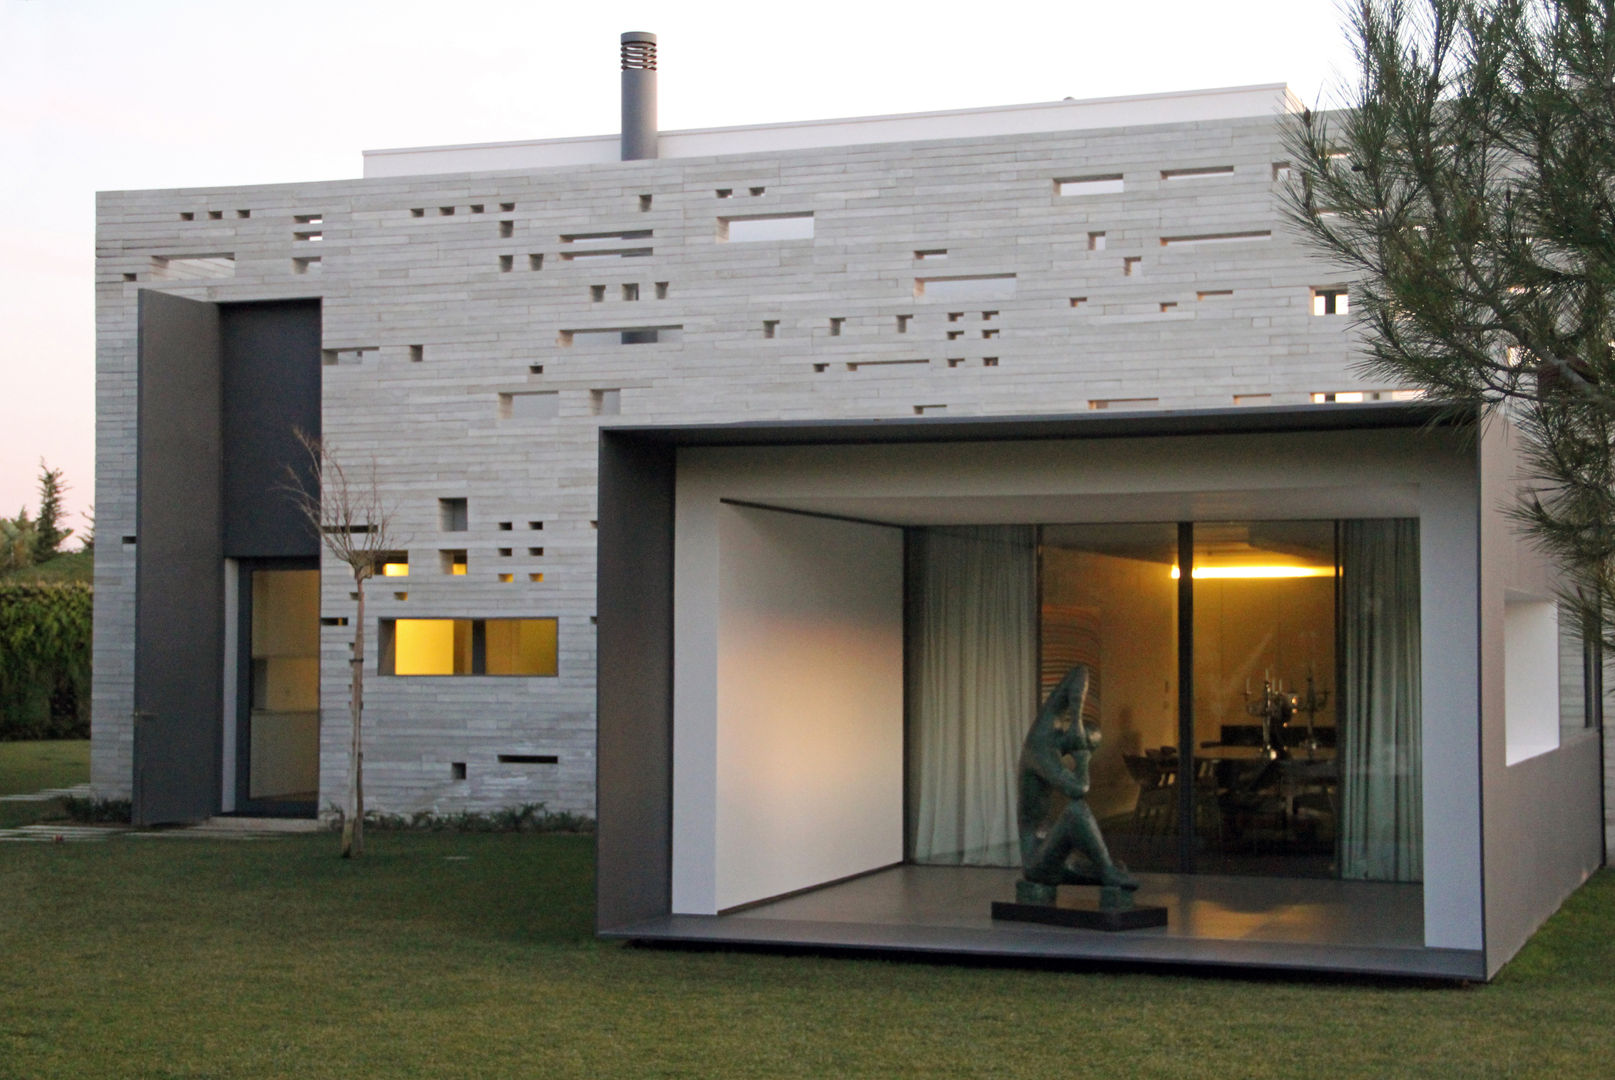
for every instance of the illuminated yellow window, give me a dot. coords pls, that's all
(426, 646)
(520, 647)
(453, 561)
(468, 647)
(392, 563)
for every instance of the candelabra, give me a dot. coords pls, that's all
(1277, 709)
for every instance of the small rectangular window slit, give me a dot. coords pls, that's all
(1106, 184)
(1216, 238)
(1331, 300)
(1201, 173)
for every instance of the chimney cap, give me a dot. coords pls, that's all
(638, 35)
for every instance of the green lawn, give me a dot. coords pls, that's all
(34, 766)
(452, 955)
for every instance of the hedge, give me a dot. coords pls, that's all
(45, 660)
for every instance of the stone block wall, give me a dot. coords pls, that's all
(464, 355)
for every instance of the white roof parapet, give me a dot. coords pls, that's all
(1133, 111)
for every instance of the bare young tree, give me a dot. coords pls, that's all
(345, 507)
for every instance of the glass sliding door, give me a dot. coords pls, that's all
(1265, 731)
(1259, 715)
(1381, 775)
(1109, 603)
(972, 677)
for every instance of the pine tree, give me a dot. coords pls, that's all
(48, 535)
(1469, 188)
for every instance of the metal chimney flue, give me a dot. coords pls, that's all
(638, 95)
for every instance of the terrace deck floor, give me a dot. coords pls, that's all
(1262, 922)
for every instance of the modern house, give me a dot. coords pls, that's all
(753, 487)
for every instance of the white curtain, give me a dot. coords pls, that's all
(973, 680)
(1381, 813)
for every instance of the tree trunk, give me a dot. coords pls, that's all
(353, 813)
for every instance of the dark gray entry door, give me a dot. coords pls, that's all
(179, 563)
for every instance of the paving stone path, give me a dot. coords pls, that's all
(219, 828)
(77, 791)
(59, 833)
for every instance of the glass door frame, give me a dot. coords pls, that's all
(244, 803)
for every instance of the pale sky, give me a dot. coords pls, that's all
(117, 94)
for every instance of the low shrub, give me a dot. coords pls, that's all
(97, 811)
(526, 818)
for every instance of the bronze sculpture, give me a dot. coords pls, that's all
(1046, 853)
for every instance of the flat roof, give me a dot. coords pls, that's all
(1185, 106)
(1087, 425)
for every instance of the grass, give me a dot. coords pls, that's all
(46, 763)
(470, 955)
(34, 766)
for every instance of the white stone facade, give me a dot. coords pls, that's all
(447, 297)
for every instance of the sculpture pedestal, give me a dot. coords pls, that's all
(1115, 910)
